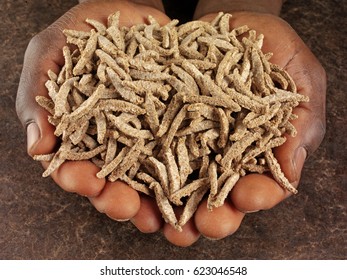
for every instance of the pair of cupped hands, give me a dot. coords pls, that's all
(119, 201)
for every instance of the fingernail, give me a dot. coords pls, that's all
(33, 135)
(299, 160)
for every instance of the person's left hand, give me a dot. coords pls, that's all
(259, 192)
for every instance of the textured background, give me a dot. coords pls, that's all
(40, 221)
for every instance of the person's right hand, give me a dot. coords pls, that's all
(44, 52)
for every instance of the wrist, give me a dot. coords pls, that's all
(157, 4)
(205, 7)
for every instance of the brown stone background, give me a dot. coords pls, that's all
(40, 221)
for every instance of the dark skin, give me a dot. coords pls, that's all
(119, 201)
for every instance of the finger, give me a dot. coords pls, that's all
(218, 223)
(256, 192)
(78, 177)
(184, 238)
(148, 219)
(118, 201)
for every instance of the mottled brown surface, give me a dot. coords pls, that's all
(40, 221)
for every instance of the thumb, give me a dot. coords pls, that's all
(310, 78)
(42, 54)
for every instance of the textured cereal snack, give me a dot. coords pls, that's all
(178, 112)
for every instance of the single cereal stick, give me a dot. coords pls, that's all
(178, 85)
(285, 96)
(290, 129)
(183, 160)
(113, 19)
(171, 111)
(68, 62)
(197, 126)
(44, 157)
(109, 167)
(111, 150)
(216, 91)
(255, 168)
(203, 65)
(154, 76)
(291, 84)
(129, 159)
(151, 116)
(197, 75)
(150, 148)
(277, 173)
(86, 54)
(164, 206)
(253, 120)
(52, 88)
(148, 44)
(186, 78)
(190, 27)
(216, 20)
(150, 30)
(204, 166)
(61, 105)
(136, 185)
(79, 133)
(46, 104)
(167, 139)
(239, 147)
(78, 42)
(88, 103)
(125, 93)
(76, 33)
(192, 204)
(116, 105)
(165, 33)
(225, 190)
(224, 25)
(224, 67)
(101, 126)
(224, 128)
(187, 190)
(61, 76)
(214, 55)
(89, 142)
(160, 172)
(258, 72)
(193, 147)
(78, 99)
(106, 58)
(144, 61)
(128, 129)
(142, 87)
(207, 111)
(148, 179)
(117, 37)
(55, 163)
(131, 48)
(57, 159)
(100, 28)
(172, 171)
(219, 43)
(192, 36)
(213, 179)
(212, 100)
(108, 47)
(70, 155)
